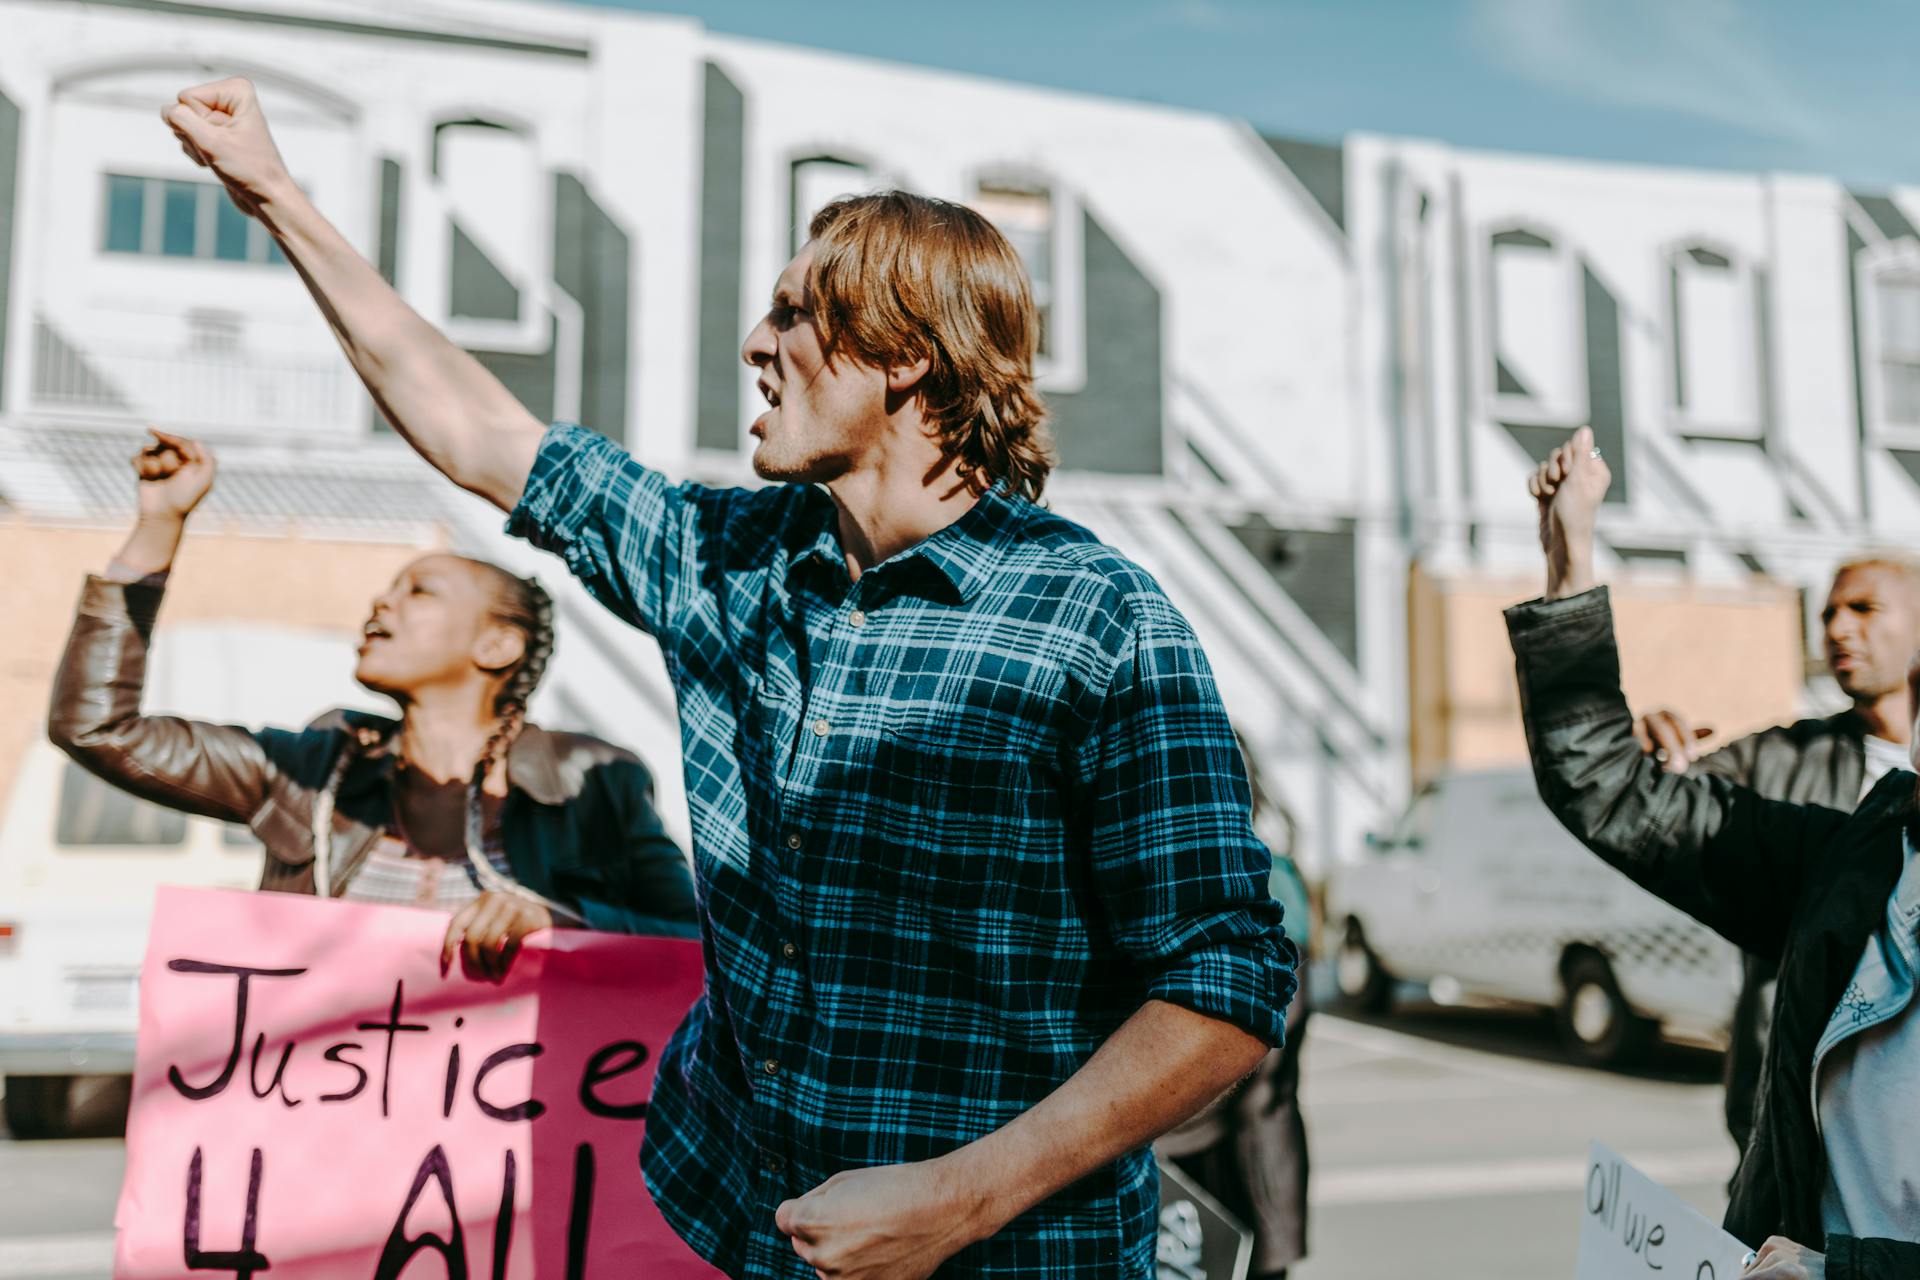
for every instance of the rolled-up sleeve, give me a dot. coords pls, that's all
(1180, 875)
(622, 529)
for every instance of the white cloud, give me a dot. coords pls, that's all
(1693, 57)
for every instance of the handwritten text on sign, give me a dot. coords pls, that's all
(1635, 1229)
(313, 1097)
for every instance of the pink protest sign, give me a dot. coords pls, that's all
(311, 1095)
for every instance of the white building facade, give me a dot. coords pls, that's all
(1281, 373)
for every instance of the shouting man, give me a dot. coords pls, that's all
(1872, 626)
(982, 906)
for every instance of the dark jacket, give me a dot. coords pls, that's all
(1818, 761)
(1802, 887)
(578, 821)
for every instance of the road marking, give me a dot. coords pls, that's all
(1368, 1091)
(1406, 1183)
(37, 1256)
(1539, 1076)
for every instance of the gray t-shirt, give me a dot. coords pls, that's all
(1867, 1081)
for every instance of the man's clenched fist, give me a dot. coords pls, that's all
(1569, 488)
(221, 127)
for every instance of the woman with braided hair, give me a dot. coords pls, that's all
(461, 804)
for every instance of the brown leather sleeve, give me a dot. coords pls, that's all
(218, 771)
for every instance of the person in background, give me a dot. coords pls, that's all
(460, 804)
(1249, 1150)
(1872, 628)
(1829, 1187)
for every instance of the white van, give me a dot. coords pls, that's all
(80, 860)
(1483, 896)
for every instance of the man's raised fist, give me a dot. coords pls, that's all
(221, 126)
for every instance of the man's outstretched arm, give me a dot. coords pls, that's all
(446, 404)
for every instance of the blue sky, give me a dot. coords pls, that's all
(1828, 87)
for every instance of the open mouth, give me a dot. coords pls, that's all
(772, 395)
(374, 630)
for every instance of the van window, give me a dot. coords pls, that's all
(1416, 827)
(93, 812)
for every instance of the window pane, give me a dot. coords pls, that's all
(1024, 216)
(93, 812)
(818, 183)
(181, 207)
(1536, 342)
(1900, 387)
(1899, 306)
(126, 199)
(1716, 342)
(230, 229)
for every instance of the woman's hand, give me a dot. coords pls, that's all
(175, 473)
(487, 933)
(1782, 1259)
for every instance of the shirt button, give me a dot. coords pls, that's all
(821, 728)
(793, 839)
(772, 1163)
(771, 1067)
(857, 618)
(788, 950)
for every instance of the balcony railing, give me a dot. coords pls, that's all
(190, 387)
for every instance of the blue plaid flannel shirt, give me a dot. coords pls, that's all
(952, 824)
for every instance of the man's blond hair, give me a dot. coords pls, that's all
(898, 277)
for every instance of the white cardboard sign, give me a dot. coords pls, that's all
(1635, 1229)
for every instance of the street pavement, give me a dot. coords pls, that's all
(1445, 1143)
(1453, 1143)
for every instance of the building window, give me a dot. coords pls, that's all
(166, 217)
(1710, 321)
(126, 213)
(499, 247)
(1537, 346)
(1897, 304)
(816, 182)
(1024, 214)
(93, 812)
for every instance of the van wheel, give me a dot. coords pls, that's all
(1357, 973)
(1597, 1026)
(39, 1106)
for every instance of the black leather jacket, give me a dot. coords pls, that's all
(578, 821)
(1819, 761)
(1801, 886)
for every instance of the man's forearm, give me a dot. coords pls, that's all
(1163, 1065)
(1570, 569)
(442, 400)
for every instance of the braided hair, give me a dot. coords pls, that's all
(523, 604)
